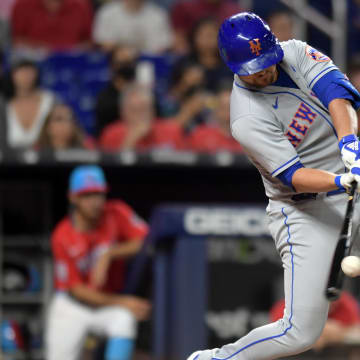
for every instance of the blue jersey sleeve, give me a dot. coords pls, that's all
(286, 176)
(335, 85)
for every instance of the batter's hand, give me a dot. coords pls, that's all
(139, 307)
(345, 180)
(355, 170)
(350, 150)
(203, 355)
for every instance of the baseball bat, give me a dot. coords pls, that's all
(336, 277)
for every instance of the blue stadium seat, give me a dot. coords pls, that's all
(77, 78)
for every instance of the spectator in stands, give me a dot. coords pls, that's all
(215, 135)
(27, 106)
(138, 128)
(187, 101)
(61, 131)
(51, 24)
(343, 323)
(205, 52)
(123, 68)
(194, 108)
(185, 14)
(138, 23)
(185, 77)
(281, 24)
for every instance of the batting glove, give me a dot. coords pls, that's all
(344, 181)
(350, 150)
(203, 355)
(355, 170)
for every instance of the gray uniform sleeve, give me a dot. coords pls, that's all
(312, 63)
(264, 142)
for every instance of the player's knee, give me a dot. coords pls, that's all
(306, 341)
(302, 335)
(123, 324)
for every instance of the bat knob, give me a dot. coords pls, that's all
(332, 293)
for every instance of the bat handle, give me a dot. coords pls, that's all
(352, 189)
(335, 281)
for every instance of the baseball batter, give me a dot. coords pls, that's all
(293, 112)
(88, 248)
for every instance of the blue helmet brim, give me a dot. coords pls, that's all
(271, 57)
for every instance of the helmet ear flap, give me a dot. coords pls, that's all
(247, 44)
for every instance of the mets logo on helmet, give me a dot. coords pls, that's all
(316, 55)
(255, 46)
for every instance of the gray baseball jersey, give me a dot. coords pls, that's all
(279, 126)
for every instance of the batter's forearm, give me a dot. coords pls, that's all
(313, 180)
(344, 117)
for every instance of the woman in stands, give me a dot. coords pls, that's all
(27, 105)
(61, 131)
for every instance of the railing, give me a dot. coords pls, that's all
(334, 28)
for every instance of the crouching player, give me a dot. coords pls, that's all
(89, 247)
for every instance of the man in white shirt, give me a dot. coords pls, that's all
(138, 23)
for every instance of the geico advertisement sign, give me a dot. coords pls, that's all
(242, 250)
(222, 221)
(236, 323)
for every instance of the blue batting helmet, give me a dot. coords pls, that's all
(247, 45)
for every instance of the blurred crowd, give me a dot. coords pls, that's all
(177, 99)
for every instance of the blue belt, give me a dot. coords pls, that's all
(313, 196)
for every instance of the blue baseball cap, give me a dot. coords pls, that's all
(87, 178)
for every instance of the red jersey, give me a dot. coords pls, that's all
(75, 253)
(34, 25)
(345, 310)
(209, 138)
(163, 134)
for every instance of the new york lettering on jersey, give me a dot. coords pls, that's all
(300, 124)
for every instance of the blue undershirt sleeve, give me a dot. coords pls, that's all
(286, 176)
(335, 85)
